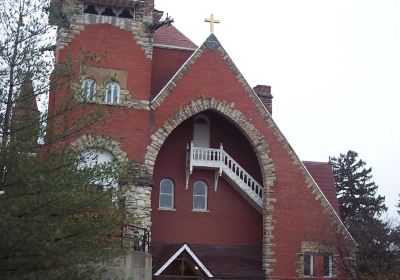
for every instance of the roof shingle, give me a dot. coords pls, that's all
(172, 37)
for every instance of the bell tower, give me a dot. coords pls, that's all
(117, 34)
(71, 16)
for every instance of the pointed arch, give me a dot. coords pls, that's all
(256, 139)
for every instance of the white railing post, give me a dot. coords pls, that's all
(191, 157)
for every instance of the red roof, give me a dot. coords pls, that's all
(323, 176)
(172, 37)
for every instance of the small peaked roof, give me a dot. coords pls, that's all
(169, 36)
(323, 176)
(183, 248)
(224, 261)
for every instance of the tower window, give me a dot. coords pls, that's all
(127, 13)
(108, 11)
(90, 9)
(167, 190)
(88, 89)
(112, 94)
(200, 196)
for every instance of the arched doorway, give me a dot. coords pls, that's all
(201, 131)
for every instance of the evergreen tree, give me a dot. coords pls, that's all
(355, 188)
(360, 209)
(59, 216)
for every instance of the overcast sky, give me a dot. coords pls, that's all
(334, 68)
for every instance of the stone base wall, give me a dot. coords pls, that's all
(135, 265)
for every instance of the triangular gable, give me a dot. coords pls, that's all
(186, 248)
(212, 43)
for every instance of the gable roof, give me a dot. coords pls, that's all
(223, 261)
(183, 248)
(170, 37)
(212, 43)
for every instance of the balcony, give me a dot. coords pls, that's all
(224, 165)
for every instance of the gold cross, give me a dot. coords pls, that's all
(212, 21)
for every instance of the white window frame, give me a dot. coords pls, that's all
(197, 195)
(172, 194)
(89, 84)
(112, 89)
(311, 264)
(330, 264)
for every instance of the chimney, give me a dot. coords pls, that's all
(264, 93)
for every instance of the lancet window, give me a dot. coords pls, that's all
(167, 190)
(200, 196)
(112, 93)
(88, 89)
(108, 10)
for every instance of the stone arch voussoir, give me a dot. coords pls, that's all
(228, 110)
(138, 191)
(100, 142)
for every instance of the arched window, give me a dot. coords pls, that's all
(88, 89)
(127, 13)
(108, 11)
(167, 190)
(200, 196)
(100, 159)
(201, 131)
(112, 94)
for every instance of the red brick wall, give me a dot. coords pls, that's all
(297, 214)
(121, 52)
(128, 126)
(230, 220)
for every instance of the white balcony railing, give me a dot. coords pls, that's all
(223, 164)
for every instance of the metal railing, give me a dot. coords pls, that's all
(135, 238)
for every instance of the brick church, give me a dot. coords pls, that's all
(217, 188)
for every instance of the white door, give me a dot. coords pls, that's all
(201, 131)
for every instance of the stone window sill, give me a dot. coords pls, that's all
(201, 211)
(167, 209)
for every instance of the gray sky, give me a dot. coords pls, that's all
(334, 68)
